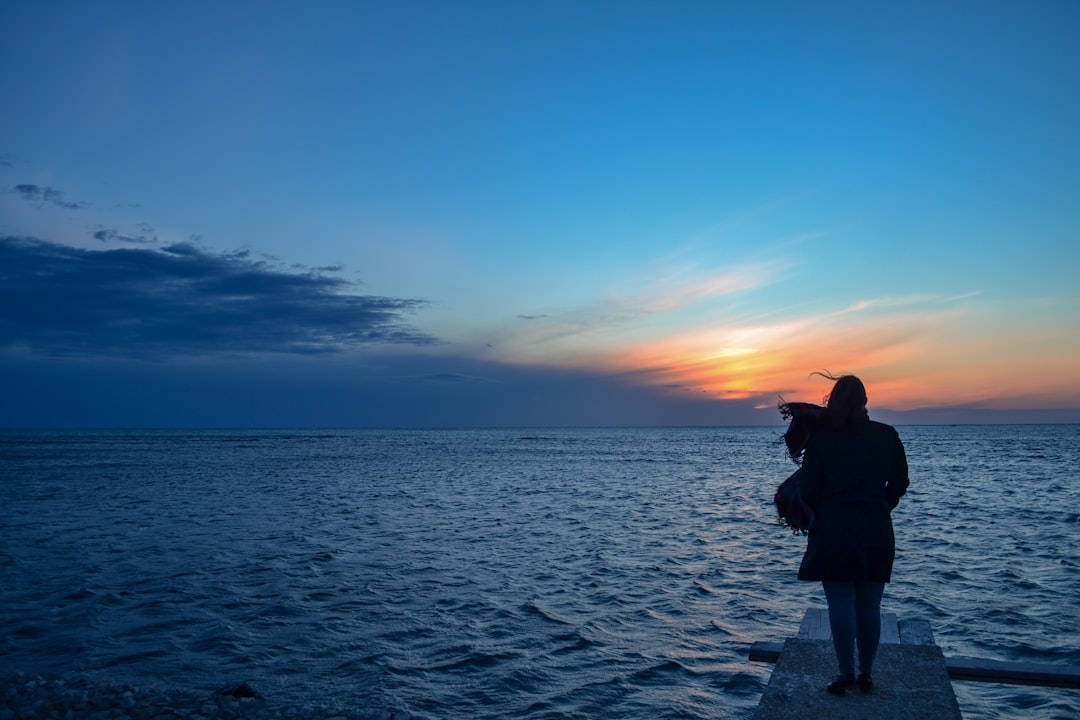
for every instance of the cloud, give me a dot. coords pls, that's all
(104, 234)
(181, 299)
(7, 160)
(45, 193)
(687, 286)
(643, 310)
(145, 234)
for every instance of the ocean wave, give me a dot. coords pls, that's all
(599, 574)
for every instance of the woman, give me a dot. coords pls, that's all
(854, 472)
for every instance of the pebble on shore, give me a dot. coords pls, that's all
(24, 696)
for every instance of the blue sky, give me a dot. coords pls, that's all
(416, 213)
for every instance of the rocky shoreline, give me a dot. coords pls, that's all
(24, 696)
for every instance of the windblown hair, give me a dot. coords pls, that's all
(843, 407)
(846, 403)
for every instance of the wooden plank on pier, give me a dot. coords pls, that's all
(910, 681)
(1014, 673)
(915, 632)
(890, 631)
(766, 652)
(815, 626)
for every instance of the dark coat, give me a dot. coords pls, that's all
(852, 478)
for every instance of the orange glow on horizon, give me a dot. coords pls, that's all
(916, 352)
(913, 360)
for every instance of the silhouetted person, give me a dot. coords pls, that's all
(854, 472)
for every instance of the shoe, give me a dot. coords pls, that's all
(840, 684)
(866, 683)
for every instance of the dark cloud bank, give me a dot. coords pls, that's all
(181, 300)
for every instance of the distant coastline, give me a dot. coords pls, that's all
(979, 416)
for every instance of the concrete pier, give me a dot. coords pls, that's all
(910, 676)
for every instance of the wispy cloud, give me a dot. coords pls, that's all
(7, 160)
(144, 235)
(691, 284)
(182, 299)
(45, 194)
(658, 304)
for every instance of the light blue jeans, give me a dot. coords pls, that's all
(854, 618)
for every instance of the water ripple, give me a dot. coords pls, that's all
(490, 573)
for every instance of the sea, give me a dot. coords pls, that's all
(593, 573)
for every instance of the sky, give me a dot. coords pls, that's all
(286, 214)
